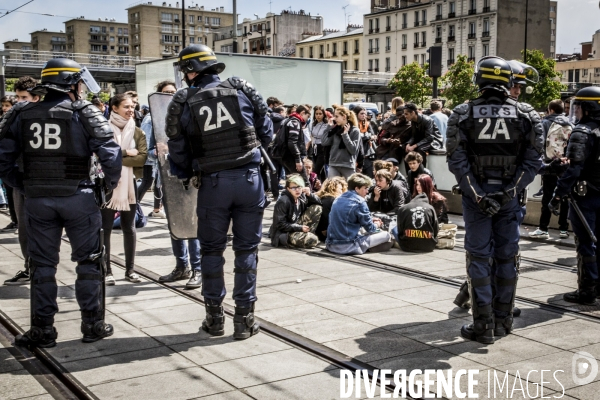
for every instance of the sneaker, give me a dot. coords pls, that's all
(195, 280)
(109, 280)
(3, 207)
(176, 275)
(157, 214)
(132, 277)
(539, 234)
(539, 194)
(564, 234)
(21, 278)
(12, 227)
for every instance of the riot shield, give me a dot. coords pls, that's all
(180, 203)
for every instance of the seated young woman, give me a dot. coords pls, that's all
(296, 216)
(350, 213)
(424, 184)
(330, 190)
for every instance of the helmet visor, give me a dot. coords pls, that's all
(89, 81)
(178, 75)
(575, 111)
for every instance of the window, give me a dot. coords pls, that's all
(167, 28)
(96, 47)
(321, 49)
(404, 40)
(403, 61)
(473, 5)
(388, 23)
(416, 38)
(452, 7)
(370, 65)
(552, 9)
(376, 45)
(345, 65)
(94, 29)
(112, 28)
(356, 48)
(120, 31)
(199, 29)
(472, 28)
(377, 24)
(301, 52)
(269, 42)
(438, 12)
(416, 18)
(192, 19)
(370, 45)
(388, 43)
(191, 30)
(356, 65)
(166, 17)
(451, 55)
(112, 47)
(486, 50)
(103, 29)
(424, 16)
(215, 21)
(370, 25)
(387, 64)
(377, 65)
(423, 38)
(167, 38)
(112, 39)
(486, 25)
(334, 49)
(438, 32)
(310, 52)
(404, 20)
(345, 47)
(416, 58)
(125, 31)
(471, 52)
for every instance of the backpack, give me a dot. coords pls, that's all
(556, 140)
(278, 146)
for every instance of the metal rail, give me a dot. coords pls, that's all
(104, 61)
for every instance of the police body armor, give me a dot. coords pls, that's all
(220, 139)
(495, 139)
(591, 165)
(52, 166)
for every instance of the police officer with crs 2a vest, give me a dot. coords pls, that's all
(56, 138)
(215, 130)
(494, 150)
(583, 177)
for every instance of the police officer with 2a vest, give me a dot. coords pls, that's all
(583, 177)
(56, 138)
(215, 130)
(494, 146)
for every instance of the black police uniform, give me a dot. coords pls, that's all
(215, 129)
(494, 145)
(56, 139)
(583, 173)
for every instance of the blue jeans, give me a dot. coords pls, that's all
(184, 251)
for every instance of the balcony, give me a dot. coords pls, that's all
(376, 30)
(268, 47)
(334, 54)
(371, 30)
(122, 52)
(376, 50)
(404, 26)
(485, 34)
(438, 17)
(471, 59)
(416, 45)
(423, 44)
(404, 46)
(58, 41)
(356, 51)
(450, 62)
(176, 20)
(486, 9)
(388, 49)
(99, 41)
(473, 11)
(370, 51)
(321, 55)
(345, 53)
(438, 40)
(268, 30)
(388, 28)
(472, 36)
(245, 50)
(416, 23)
(452, 38)
(451, 15)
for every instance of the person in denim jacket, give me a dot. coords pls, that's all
(350, 213)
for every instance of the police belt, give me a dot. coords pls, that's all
(506, 164)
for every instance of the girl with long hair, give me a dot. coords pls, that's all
(344, 138)
(367, 137)
(424, 184)
(330, 190)
(317, 129)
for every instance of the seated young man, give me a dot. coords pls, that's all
(417, 227)
(296, 216)
(415, 168)
(348, 214)
(388, 195)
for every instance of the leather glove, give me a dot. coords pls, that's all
(557, 167)
(501, 197)
(554, 205)
(488, 205)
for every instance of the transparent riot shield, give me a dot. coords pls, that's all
(180, 203)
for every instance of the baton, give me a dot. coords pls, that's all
(582, 218)
(267, 159)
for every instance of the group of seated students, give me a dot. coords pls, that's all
(355, 216)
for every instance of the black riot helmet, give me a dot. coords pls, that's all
(60, 73)
(588, 99)
(493, 73)
(523, 74)
(196, 58)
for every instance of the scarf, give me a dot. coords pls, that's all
(124, 194)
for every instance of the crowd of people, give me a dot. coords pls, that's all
(342, 179)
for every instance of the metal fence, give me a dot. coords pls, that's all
(33, 57)
(370, 78)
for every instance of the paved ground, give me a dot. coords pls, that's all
(384, 319)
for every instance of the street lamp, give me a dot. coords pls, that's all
(526, 20)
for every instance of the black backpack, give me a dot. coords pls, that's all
(278, 145)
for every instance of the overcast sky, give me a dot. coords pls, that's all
(577, 19)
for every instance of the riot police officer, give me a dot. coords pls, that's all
(56, 138)
(583, 174)
(494, 145)
(215, 130)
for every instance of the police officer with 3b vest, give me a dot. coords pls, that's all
(56, 138)
(215, 130)
(581, 183)
(494, 148)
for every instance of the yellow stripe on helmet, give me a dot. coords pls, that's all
(61, 70)
(49, 73)
(207, 58)
(587, 98)
(494, 77)
(520, 76)
(504, 71)
(202, 53)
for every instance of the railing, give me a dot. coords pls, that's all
(368, 77)
(356, 51)
(416, 23)
(451, 38)
(388, 48)
(423, 44)
(321, 55)
(486, 9)
(388, 28)
(58, 41)
(404, 26)
(34, 57)
(471, 59)
(485, 34)
(404, 46)
(450, 61)
(473, 11)
(334, 54)
(451, 15)
(472, 36)
(416, 45)
(345, 53)
(438, 17)
(438, 40)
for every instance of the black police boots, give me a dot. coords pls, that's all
(503, 326)
(481, 330)
(214, 323)
(463, 296)
(581, 296)
(39, 335)
(95, 331)
(243, 323)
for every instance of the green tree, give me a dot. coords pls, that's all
(548, 88)
(10, 84)
(412, 83)
(104, 97)
(458, 82)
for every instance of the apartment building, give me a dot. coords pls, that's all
(105, 37)
(334, 45)
(400, 33)
(156, 30)
(45, 40)
(16, 44)
(553, 18)
(581, 68)
(277, 34)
